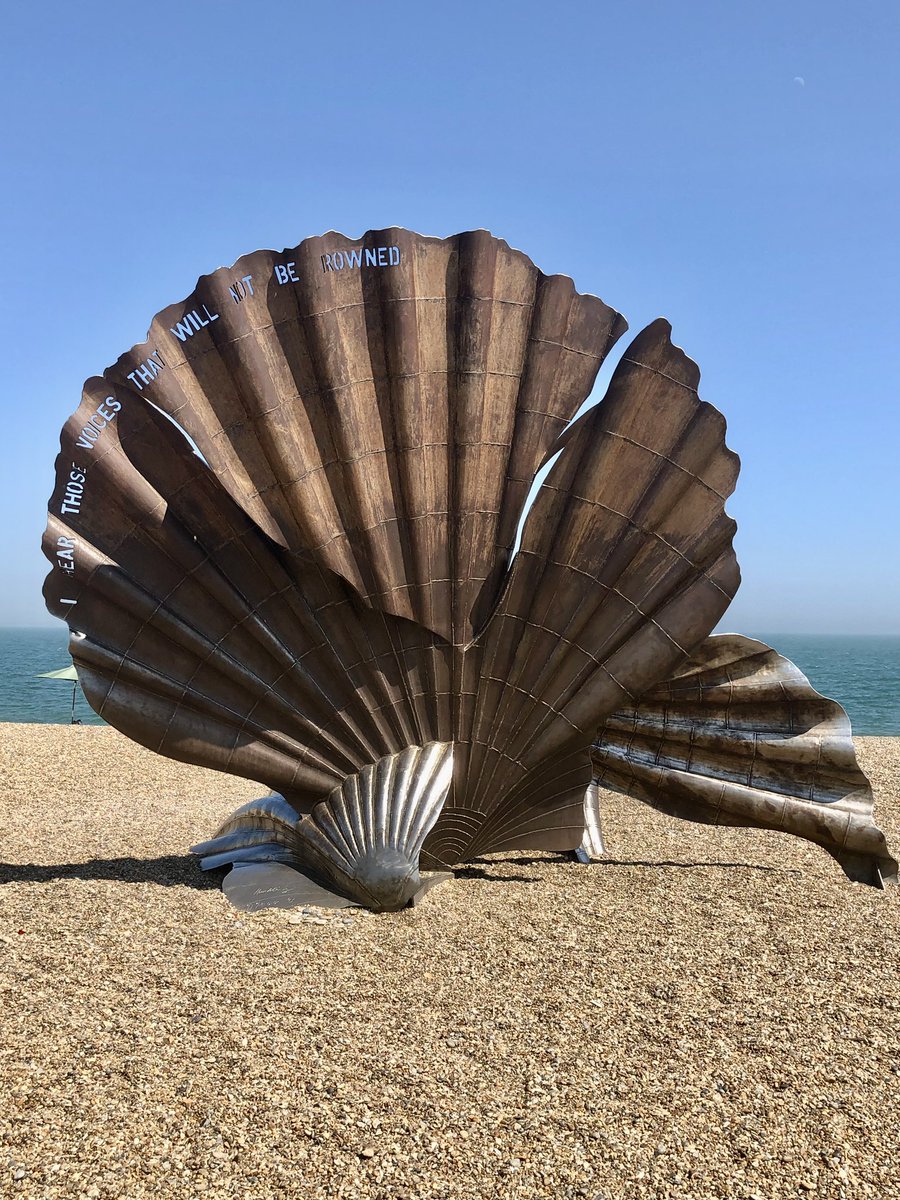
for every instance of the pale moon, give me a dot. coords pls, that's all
(799, 79)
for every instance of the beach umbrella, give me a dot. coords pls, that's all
(65, 673)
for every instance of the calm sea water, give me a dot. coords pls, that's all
(25, 653)
(862, 673)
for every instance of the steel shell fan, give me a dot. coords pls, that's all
(286, 525)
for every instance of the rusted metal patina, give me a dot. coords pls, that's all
(286, 527)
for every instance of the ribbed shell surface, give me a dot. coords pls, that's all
(387, 416)
(364, 840)
(738, 736)
(284, 526)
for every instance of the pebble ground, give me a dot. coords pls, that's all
(710, 1014)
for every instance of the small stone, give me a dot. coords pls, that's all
(367, 1152)
(20, 1174)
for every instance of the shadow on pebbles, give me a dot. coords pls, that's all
(712, 1013)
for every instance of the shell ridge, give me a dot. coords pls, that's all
(381, 786)
(223, 591)
(475, 405)
(686, 756)
(343, 805)
(405, 767)
(344, 833)
(516, 697)
(416, 797)
(425, 817)
(491, 655)
(172, 626)
(451, 468)
(116, 704)
(417, 802)
(382, 342)
(310, 579)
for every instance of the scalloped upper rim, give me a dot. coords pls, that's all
(354, 241)
(558, 275)
(427, 238)
(567, 279)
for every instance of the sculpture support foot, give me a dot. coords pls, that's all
(592, 847)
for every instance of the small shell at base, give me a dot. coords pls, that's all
(367, 836)
(360, 846)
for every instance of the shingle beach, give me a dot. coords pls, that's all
(712, 1013)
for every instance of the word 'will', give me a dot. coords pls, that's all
(192, 322)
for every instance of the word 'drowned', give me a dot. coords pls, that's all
(379, 256)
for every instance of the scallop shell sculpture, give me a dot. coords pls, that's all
(284, 530)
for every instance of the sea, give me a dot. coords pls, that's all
(861, 672)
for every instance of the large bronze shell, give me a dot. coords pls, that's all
(285, 526)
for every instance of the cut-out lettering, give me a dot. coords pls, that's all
(242, 288)
(286, 273)
(65, 553)
(104, 414)
(192, 322)
(374, 256)
(147, 371)
(74, 491)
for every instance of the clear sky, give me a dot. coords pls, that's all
(732, 167)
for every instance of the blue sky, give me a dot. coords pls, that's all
(732, 167)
